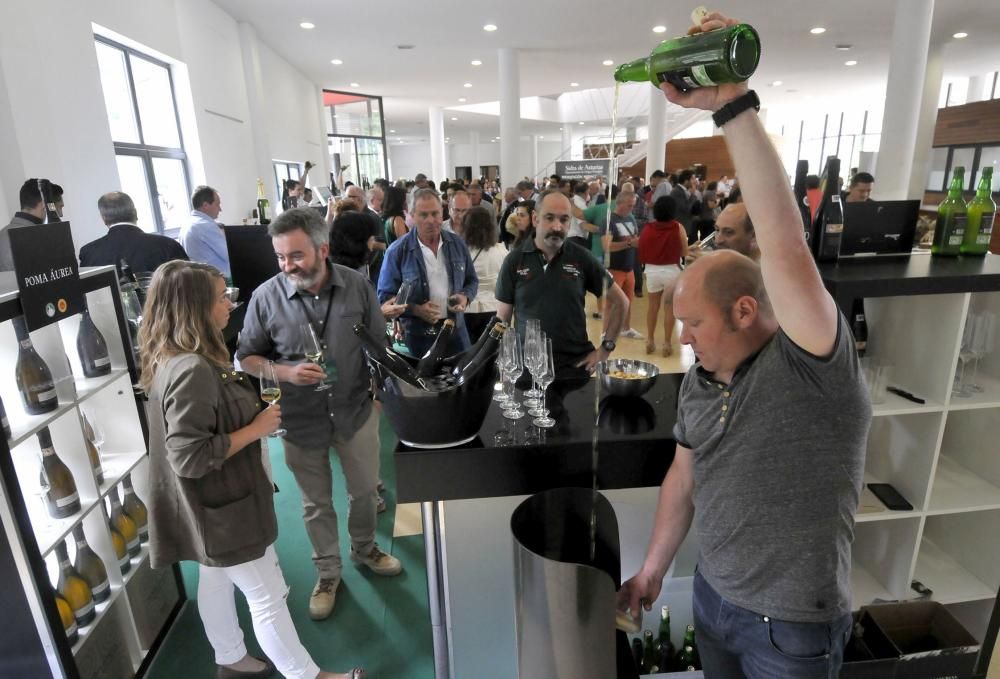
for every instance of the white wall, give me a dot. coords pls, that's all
(56, 125)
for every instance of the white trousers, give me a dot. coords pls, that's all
(265, 590)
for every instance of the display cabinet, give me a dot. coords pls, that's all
(128, 626)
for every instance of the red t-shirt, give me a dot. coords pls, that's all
(660, 243)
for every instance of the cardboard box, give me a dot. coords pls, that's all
(930, 642)
(869, 654)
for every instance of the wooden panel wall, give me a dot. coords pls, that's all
(975, 123)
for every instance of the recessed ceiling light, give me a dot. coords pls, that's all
(462, 99)
(659, 29)
(581, 122)
(477, 62)
(498, 136)
(447, 138)
(608, 62)
(336, 62)
(851, 62)
(817, 30)
(776, 83)
(560, 129)
(489, 28)
(308, 25)
(467, 85)
(392, 131)
(960, 35)
(843, 47)
(541, 136)
(574, 84)
(454, 118)
(355, 85)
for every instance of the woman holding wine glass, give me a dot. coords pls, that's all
(210, 499)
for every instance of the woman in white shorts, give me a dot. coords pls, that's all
(662, 248)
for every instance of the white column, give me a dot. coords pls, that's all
(904, 97)
(255, 103)
(435, 124)
(566, 151)
(534, 156)
(510, 115)
(474, 142)
(656, 144)
(933, 76)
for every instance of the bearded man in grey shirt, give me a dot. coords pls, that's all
(771, 429)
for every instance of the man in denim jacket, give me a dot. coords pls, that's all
(439, 268)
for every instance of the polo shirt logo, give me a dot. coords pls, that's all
(524, 271)
(571, 269)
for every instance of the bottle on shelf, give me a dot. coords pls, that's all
(62, 497)
(691, 647)
(686, 657)
(828, 229)
(952, 218)
(34, 379)
(859, 326)
(4, 423)
(93, 454)
(637, 653)
(648, 652)
(121, 549)
(92, 347)
(666, 649)
(431, 362)
(90, 567)
(263, 204)
(74, 589)
(136, 509)
(727, 55)
(124, 524)
(68, 620)
(388, 358)
(981, 211)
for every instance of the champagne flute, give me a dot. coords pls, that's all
(512, 366)
(41, 491)
(270, 393)
(314, 352)
(545, 378)
(533, 343)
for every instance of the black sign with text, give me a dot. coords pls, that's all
(582, 169)
(48, 276)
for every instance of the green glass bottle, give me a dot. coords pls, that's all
(726, 55)
(666, 646)
(649, 658)
(951, 220)
(982, 210)
(691, 648)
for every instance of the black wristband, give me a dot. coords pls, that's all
(736, 107)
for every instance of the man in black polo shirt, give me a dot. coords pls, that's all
(547, 278)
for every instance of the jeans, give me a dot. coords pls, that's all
(264, 586)
(735, 643)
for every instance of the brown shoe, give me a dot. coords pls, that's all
(323, 597)
(378, 562)
(227, 673)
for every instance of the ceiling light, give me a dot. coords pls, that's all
(843, 47)
(454, 118)
(462, 99)
(477, 62)
(659, 29)
(541, 136)
(336, 62)
(447, 138)
(467, 85)
(776, 83)
(355, 85)
(308, 25)
(960, 35)
(581, 122)
(817, 30)
(608, 62)
(489, 28)
(560, 129)
(574, 84)
(852, 62)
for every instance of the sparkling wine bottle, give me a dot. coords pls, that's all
(124, 524)
(92, 347)
(74, 588)
(121, 549)
(136, 509)
(4, 423)
(388, 358)
(68, 619)
(62, 498)
(488, 347)
(34, 379)
(828, 229)
(431, 362)
(90, 567)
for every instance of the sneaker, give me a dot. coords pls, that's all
(378, 562)
(323, 596)
(380, 505)
(632, 333)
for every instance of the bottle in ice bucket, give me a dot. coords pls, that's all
(725, 55)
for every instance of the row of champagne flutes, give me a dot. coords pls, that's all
(536, 356)
(978, 339)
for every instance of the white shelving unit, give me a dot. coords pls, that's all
(118, 641)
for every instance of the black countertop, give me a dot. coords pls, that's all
(513, 457)
(918, 274)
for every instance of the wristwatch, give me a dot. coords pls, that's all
(736, 107)
(608, 345)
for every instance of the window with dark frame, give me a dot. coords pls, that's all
(146, 131)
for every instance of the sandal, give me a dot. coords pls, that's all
(650, 347)
(668, 350)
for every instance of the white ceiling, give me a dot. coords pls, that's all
(562, 42)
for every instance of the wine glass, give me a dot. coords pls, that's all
(270, 393)
(41, 491)
(93, 430)
(545, 377)
(981, 343)
(534, 360)
(965, 355)
(315, 352)
(533, 337)
(233, 295)
(512, 366)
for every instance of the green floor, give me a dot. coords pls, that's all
(381, 624)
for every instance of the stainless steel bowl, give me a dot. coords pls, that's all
(619, 386)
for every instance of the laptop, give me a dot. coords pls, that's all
(879, 228)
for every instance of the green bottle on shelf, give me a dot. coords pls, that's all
(981, 210)
(726, 55)
(951, 218)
